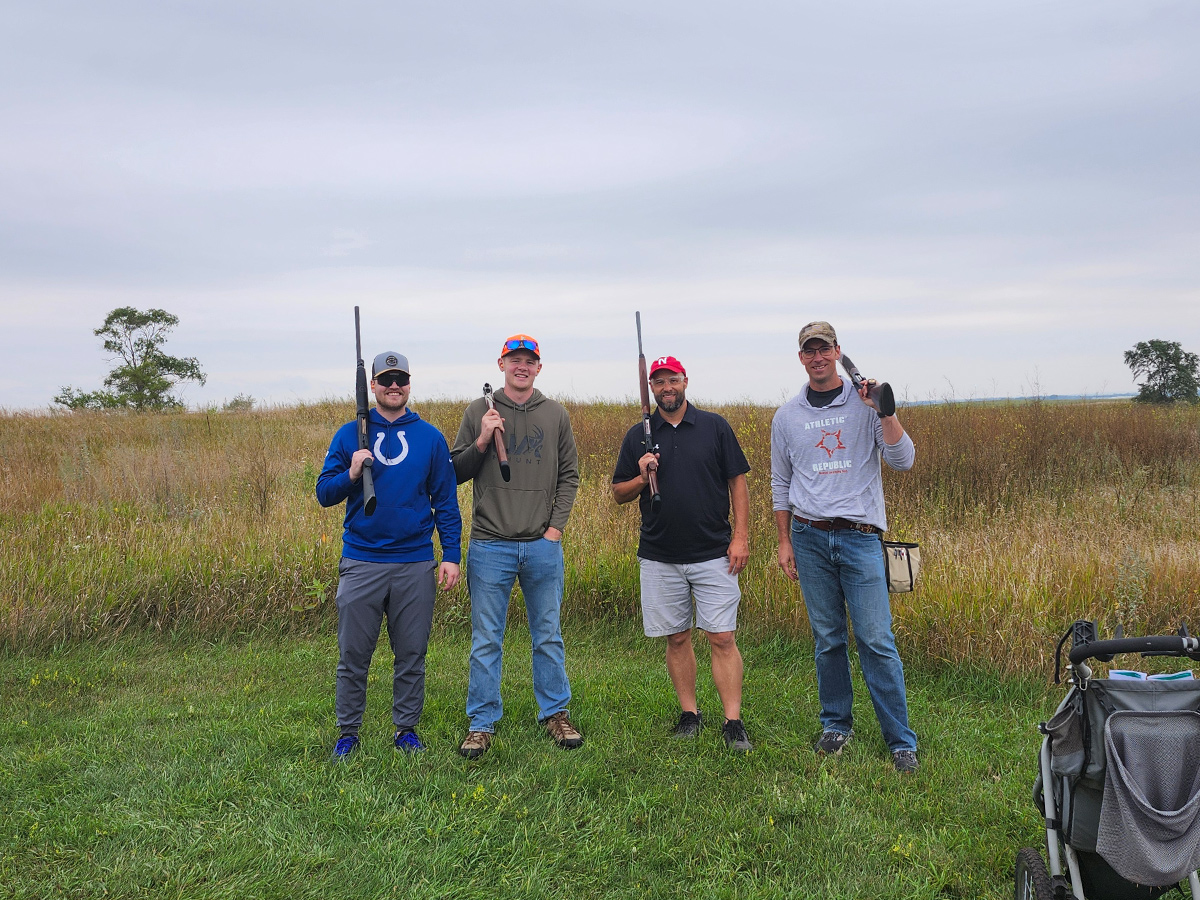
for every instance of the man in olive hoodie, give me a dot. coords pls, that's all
(516, 535)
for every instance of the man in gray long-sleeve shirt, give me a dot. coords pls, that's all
(827, 492)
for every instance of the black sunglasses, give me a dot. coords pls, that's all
(387, 379)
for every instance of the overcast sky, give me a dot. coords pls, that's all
(984, 198)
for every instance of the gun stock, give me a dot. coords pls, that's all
(647, 436)
(497, 437)
(880, 392)
(364, 409)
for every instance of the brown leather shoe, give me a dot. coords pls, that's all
(475, 744)
(564, 733)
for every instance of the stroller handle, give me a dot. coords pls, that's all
(1164, 645)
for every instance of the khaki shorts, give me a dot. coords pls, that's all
(668, 589)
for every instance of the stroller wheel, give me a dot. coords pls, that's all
(1032, 879)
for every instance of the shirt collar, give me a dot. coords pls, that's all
(839, 400)
(689, 416)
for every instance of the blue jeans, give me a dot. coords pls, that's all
(492, 567)
(840, 571)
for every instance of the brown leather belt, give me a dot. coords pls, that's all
(837, 525)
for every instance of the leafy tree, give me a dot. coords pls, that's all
(145, 375)
(1171, 373)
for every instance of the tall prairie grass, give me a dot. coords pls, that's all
(1029, 514)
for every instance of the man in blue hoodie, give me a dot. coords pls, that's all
(388, 567)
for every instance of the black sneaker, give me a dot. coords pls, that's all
(905, 761)
(832, 743)
(689, 725)
(734, 733)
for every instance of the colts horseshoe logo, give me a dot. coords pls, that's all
(395, 459)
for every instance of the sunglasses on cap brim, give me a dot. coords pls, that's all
(521, 345)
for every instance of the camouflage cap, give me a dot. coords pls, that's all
(820, 330)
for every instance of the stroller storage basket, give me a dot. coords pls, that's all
(1119, 780)
(1149, 828)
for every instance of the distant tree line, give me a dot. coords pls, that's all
(145, 376)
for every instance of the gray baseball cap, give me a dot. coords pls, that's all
(389, 361)
(820, 330)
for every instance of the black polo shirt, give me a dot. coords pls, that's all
(696, 461)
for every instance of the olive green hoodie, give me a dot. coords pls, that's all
(543, 462)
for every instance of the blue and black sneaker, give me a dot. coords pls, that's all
(346, 745)
(408, 742)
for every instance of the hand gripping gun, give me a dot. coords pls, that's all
(497, 437)
(879, 392)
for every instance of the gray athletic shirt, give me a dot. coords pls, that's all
(825, 463)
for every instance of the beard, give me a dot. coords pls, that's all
(392, 402)
(670, 405)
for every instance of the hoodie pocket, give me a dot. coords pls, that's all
(394, 528)
(512, 514)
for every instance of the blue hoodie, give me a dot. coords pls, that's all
(414, 485)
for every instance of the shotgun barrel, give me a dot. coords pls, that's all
(647, 436)
(364, 409)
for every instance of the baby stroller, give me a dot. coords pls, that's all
(1119, 778)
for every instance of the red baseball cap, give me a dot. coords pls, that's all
(670, 363)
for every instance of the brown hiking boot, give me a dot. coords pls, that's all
(475, 744)
(564, 733)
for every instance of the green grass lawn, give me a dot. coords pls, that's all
(173, 767)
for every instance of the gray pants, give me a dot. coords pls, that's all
(368, 591)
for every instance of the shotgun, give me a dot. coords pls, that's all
(364, 409)
(497, 437)
(648, 438)
(879, 392)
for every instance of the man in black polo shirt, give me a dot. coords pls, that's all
(687, 549)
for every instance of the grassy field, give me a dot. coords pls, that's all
(1029, 515)
(166, 670)
(168, 767)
